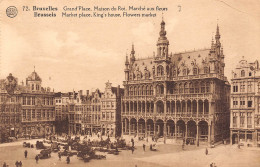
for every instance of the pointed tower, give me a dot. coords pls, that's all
(218, 44)
(162, 43)
(126, 69)
(132, 55)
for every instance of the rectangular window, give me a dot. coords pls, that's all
(235, 88)
(112, 115)
(249, 103)
(242, 119)
(242, 87)
(24, 100)
(249, 87)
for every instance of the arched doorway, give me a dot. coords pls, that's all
(160, 107)
(191, 132)
(180, 129)
(170, 128)
(133, 126)
(125, 126)
(159, 128)
(203, 131)
(150, 127)
(141, 127)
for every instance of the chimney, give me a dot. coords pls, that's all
(87, 92)
(80, 92)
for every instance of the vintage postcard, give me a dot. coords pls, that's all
(130, 83)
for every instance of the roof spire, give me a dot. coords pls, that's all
(34, 69)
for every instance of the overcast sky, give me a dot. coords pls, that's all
(85, 53)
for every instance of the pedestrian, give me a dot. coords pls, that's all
(133, 149)
(68, 159)
(25, 153)
(183, 146)
(36, 158)
(20, 164)
(4, 165)
(59, 154)
(16, 163)
(206, 151)
(144, 147)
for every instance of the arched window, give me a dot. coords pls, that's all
(160, 71)
(135, 91)
(186, 89)
(174, 73)
(202, 87)
(147, 90)
(242, 73)
(196, 86)
(191, 88)
(206, 70)
(144, 91)
(160, 89)
(195, 71)
(181, 88)
(175, 88)
(207, 87)
(184, 72)
(151, 90)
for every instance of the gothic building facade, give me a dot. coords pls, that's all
(26, 109)
(245, 106)
(111, 110)
(181, 96)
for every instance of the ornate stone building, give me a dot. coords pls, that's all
(111, 110)
(96, 111)
(10, 109)
(245, 104)
(38, 107)
(182, 95)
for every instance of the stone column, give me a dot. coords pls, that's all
(165, 107)
(154, 128)
(197, 108)
(209, 132)
(145, 126)
(164, 132)
(186, 104)
(171, 108)
(197, 136)
(137, 128)
(129, 126)
(175, 130)
(186, 131)
(129, 107)
(154, 108)
(175, 108)
(203, 105)
(137, 107)
(122, 132)
(145, 108)
(231, 134)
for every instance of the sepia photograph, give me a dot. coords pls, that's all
(129, 83)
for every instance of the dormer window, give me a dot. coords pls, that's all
(242, 73)
(184, 72)
(160, 71)
(195, 71)
(206, 70)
